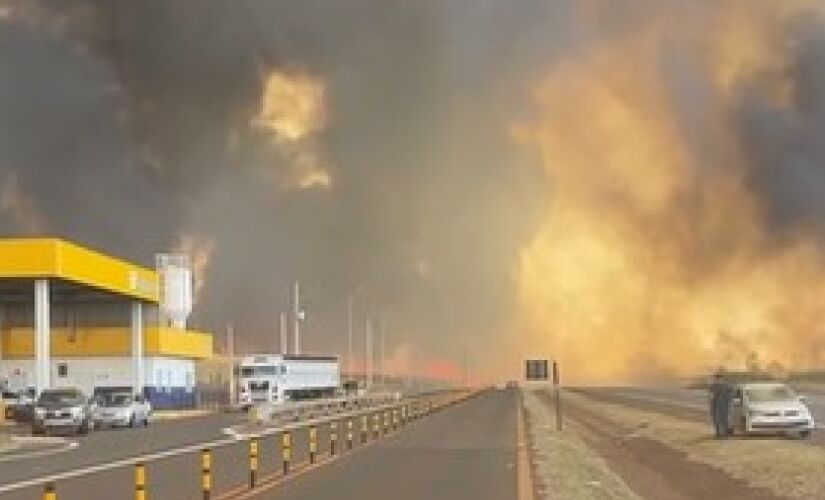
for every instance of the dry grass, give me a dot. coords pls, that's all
(786, 467)
(565, 465)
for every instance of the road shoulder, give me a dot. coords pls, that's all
(564, 467)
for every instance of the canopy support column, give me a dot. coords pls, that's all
(42, 336)
(137, 347)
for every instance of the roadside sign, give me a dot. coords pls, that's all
(536, 370)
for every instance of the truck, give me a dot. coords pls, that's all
(278, 378)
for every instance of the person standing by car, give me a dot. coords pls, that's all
(721, 394)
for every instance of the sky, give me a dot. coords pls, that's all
(633, 190)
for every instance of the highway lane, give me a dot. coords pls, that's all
(110, 445)
(177, 476)
(465, 452)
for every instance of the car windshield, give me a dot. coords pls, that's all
(767, 394)
(117, 400)
(60, 397)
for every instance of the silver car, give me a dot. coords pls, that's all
(122, 410)
(770, 407)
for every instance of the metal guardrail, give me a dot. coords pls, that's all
(268, 412)
(387, 419)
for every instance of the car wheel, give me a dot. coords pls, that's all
(37, 430)
(805, 434)
(83, 428)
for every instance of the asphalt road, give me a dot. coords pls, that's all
(107, 446)
(172, 477)
(465, 452)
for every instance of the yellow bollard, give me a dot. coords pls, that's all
(286, 446)
(253, 461)
(349, 434)
(206, 473)
(376, 425)
(313, 443)
(386, 421)
(140, 481)
(48, 492)
(394, 419)
(333, 437)
(364, 428)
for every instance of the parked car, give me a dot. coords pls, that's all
(770, 407)
(62, 409)
(122, 410)
(10, 401)
(18, 405)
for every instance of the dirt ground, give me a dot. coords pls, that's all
(651, 468)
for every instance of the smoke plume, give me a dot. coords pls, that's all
(633, 188)
(684, 152)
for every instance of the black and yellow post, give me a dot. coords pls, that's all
(349, 433)
(286, 448)
(376, 425)
(386, 421)
(333, 437)
(140, 481)
(48, 492)
(395, 419)
(253, 461)
(364, 428)
(313, 443)
(206, 473)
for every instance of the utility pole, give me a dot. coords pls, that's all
(466, 368)
(297, 316)
(230, 351)
(349, 336)
(284, 346)
(382, 373)
(368, 359)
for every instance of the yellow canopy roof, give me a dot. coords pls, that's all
(55, 258)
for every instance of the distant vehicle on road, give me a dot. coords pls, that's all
(62, 410)
(121, 409)
(770, 407)
(267, 378)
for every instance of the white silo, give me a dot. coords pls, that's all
(175, 273)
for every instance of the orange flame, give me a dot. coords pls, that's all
(654, 258)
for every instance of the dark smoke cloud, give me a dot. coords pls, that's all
(124, 125)
(785, 143)
(127, 124)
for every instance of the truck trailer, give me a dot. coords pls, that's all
(278, 378)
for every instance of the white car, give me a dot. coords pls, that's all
(770, 407)
(121, 410)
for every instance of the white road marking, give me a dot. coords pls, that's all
(67, 445)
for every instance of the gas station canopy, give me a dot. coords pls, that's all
(38, 274)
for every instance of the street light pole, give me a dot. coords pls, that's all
(297, 317)
(349, 336)
(230, 348)
(368, 362)
(284, 346)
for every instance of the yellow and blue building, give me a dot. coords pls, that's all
(74, 317)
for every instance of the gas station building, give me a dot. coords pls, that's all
(73, 317)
